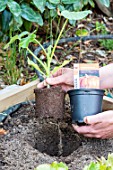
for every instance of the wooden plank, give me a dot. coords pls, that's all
(18, 95)
(107, 103)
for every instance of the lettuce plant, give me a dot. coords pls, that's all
(53, 166)
(101, 164)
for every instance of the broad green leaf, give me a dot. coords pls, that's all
(14, 8)
(82, 32)
(91, 2)
(31, 63)
(29, 14)
(54, 1)
(17, 22)
(50, 6)
(78, 5)
(75, 15)
(3, 4)
(59, 166)
(40, 4)
(43, 167)
(68, 1)
(110, 159)
(6, 18)
(86, 2)
(28, 25)
(105, 2)
(53, 166)
(61, 8)
(24, 42)
(53, 13)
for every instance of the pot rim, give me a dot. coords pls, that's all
(86, 91)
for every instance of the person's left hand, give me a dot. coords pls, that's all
(98, 126)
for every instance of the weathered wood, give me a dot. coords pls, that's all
(18, 95)
(107, 103)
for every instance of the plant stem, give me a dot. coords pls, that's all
(41, 46)
(52, 54)
(51, 34)
(37, 59)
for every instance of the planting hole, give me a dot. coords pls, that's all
(56, 140)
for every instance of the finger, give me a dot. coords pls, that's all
(82, 129)
(93, 136)
(42, 84)
(58, 73)
(93, 119)
(55, 80)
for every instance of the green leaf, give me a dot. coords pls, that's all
(54, 1)
(14, 8)
(31, 63)
(40, 4)
(91, 2)
(105, 2)
(43, 167)
(68, 1)
(78, 5)
(3, 4)
(24, 42)
(75, 15)
(24, 33)
(17, 22)
(62, 65)
(13, 39)
(49, 50)
(50, 6)
(53, 13)
(61, 8)
(31, 15)
(27, 25)
(6, 18)
(82, 32)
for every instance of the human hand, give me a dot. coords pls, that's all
(63, 77)
(98, 126)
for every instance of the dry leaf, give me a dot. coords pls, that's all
(3, 132)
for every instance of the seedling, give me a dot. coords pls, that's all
(101, 164)
(25, 38)
(54, 166)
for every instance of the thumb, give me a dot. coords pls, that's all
(100, 117)
(93, 119)
(55, 80)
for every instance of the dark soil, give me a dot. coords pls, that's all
(53, 97)
(30, 142)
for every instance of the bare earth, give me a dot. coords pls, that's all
(30, 142)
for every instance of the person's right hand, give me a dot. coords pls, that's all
(63, 77)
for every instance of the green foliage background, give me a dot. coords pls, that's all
(15, 14)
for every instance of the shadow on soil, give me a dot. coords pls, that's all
(56, 140)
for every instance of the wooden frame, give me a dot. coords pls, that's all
(26, 93)
(18, 95)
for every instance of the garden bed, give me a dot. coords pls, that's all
(30, 142)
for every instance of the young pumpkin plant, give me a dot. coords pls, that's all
(53, 166)
(25, 38)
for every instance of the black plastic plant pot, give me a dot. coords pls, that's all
(85, 102)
